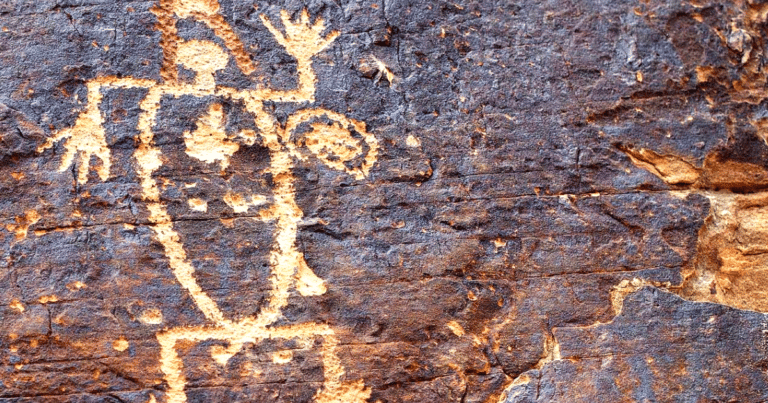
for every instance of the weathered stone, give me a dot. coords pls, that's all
(398, 201)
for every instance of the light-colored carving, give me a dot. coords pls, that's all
(46, 299)
(412, 141)
(17, 305)
(209, 143)
(120, 344)
(23, 223)
(456, 328)
(241, 204)
(205, 11)
(198, 204)
(151, 316)
(339, 142)
(76, 286)
(88, 137)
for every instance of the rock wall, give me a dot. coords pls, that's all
(397, 201)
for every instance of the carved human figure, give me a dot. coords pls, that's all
(324, 134)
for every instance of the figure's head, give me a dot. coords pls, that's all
(202, 57)
(188, 8)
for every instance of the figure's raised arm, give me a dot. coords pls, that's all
(302, 40)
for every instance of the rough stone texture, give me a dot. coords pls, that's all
(568, 203)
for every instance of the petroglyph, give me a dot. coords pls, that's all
(341, 143)
(151, 316)
(87, 137)
(17, 305)
(120, 344)
(241, 204)
(205, 11)
(198, 204)
(209, 143)
(412, 141)
(22, 224)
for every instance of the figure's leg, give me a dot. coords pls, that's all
(173, 366)
(334, 389)
(287, 265)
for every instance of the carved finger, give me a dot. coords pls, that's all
(69, 156)
(103, 170)
(279, 37)
(82, 170)
(319, 26)
(61, 134)
(328, 40)
(286, 19)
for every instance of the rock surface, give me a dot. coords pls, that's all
(397, 201)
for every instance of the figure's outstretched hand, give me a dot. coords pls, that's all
(302, 40)
(87, 138)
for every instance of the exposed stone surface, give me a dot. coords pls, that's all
(397, 201)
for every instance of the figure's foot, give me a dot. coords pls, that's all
(307, 282)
